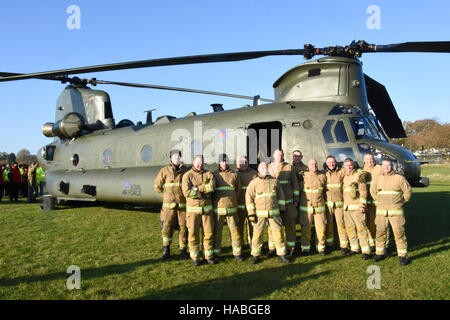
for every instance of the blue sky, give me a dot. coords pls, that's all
(35, 37)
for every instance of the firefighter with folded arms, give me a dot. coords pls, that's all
(335, 204)
(355, 207)
(198, 185)
(312, 208)
(374, 170)
(264, 199)
(228, 189)
(287, 177)
(245, 174)
(390, 191)
(168, 184)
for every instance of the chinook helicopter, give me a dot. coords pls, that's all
(323, 106)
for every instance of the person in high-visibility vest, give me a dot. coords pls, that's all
(390, 191)
(40, 179)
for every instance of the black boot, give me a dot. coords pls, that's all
(166, 254)
(272, 253)
(255, 260)
(403, 261)
(379, 257)
(344, 251)
(184, 254)
(239, 258)
(366, 256)
(196, 262)
(284, 259)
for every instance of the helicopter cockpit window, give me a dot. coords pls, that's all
(326, 131)
(341, 154)
(362, 129)
(340, 133)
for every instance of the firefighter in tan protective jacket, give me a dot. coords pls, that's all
(265, 201)
(335, 204)
(313, 208)
(198, 186)
(168, 184)
(228, 189)
(374, 171)
(390, 191)
(246, 175)
(355, 207)
(287, 177)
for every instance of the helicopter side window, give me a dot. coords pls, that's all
(340, 133)
(362, 129)
(326, 131)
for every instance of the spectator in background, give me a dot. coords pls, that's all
(40, 179)
(14, 183)
(1, 182)
(31, 197)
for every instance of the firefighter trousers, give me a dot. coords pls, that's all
(196, 221)
(243, 221)
(398, 227)
(275, 225)
(370, 220)
(355, 225)
(307, 218)
(168, 219)
(337, 214)
(288, 220)
(232, 222)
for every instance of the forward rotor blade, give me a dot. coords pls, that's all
(436, 46)
(208, 58)
(384, 109)
(152, 86)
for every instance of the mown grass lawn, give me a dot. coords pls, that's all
(118, 252)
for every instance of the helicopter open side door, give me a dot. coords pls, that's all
(262, 140)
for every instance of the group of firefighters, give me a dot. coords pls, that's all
(362, 202)
(22, 180)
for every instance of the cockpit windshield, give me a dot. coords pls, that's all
(363, 128)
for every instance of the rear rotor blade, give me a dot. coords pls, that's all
(384, 109)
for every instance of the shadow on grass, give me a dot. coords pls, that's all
(86, 273)
(249, 285)
(427, 222)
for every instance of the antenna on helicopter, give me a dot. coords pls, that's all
(149, 116)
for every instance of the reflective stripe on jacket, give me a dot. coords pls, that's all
(200, 200)
(374, 172)
(390, 191)
(245, 176)
(265, 197)
(361, 200)
(168, 184)
(287, 177)
(228, 189)
(335, 181)
(314, 188)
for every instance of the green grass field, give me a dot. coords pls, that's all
(118, 252)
